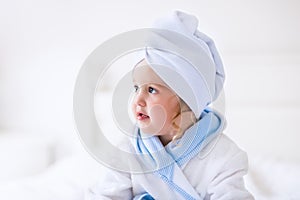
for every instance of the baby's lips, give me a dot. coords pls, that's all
(141, 116)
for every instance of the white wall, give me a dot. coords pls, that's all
(44, 43)
(263, 103)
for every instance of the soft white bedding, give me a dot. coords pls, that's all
(66, 179)
(271, 178)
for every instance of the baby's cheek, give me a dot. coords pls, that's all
(158, 116)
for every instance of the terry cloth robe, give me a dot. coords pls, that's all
(216, 172)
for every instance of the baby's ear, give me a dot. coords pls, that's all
(185, 120)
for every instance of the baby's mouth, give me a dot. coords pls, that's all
(141, 116)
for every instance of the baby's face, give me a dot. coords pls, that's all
(154, 104)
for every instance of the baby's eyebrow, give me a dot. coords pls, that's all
(157, 85)
(153, 84)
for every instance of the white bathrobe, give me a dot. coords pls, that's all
(215, 173)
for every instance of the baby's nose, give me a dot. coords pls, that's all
(140, 99)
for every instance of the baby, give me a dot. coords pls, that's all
(178, 140)
(158, 110)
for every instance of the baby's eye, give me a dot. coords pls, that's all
(136, 88)
(152, 90)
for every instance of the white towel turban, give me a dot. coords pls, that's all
(186, 60)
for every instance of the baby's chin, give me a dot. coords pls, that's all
(146, 129)
(153, 130)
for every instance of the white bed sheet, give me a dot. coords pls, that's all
(64, 180)
(268, 178)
